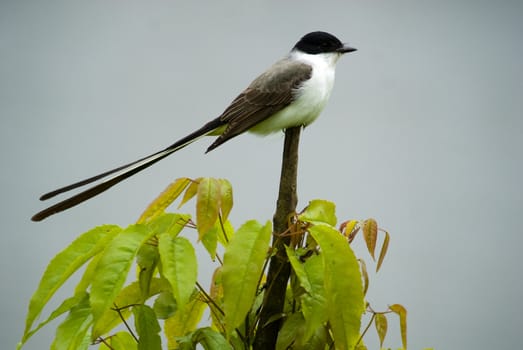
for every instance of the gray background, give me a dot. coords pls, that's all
(423, 132)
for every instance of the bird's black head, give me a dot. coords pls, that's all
(321, 42)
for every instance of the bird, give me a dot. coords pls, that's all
(291, 93)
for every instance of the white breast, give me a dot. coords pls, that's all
(311, 97)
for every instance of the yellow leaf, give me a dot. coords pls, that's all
(383, 251)
(349, 229)
(402, 313)
(207, 205)
(165, 199)
(380, 321)
(226, 200)
(370, 233)
(365, 276)
(190, 192)
(184, 321)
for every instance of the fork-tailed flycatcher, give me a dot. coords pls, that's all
(291, 93)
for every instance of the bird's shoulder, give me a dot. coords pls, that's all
(283, 75)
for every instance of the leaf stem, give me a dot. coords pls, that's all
(117, 309)
(366, 328)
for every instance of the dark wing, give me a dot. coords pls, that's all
(269, 93)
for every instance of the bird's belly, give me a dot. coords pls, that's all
(310, 101)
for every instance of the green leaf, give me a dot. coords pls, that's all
(226, 200)
(64, 264)
(66, 306)
(361, 346)
(130, 295)
(185, 343)
(210, 239)
(179, 266)
(242, 268)
(216, 293)
(147, 260)
(185, 321)
(370, 233)
(299, 269)
(171, 223)
(343, 286)
(318, 340)
(219, 232)
(73, 332)
(148, 255)
(87, 277)
(165, 305)
(111, 271)
(253, 315)
(207, 205)
(314, 306)
(319, 211)
(119, 341)
(147, 328)
(291, 332)
(380, 321)
(225, 233)
(402, 313)
(210, 339)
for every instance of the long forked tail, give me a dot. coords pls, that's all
(121, 173)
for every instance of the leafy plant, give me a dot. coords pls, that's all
(323, 304)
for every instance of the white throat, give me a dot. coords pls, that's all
(319, 87)
(311, 96)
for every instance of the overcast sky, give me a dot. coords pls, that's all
(423, 132)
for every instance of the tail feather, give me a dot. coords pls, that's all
(130, 169)
(119, 174)
(91, 179)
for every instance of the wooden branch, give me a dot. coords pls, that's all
(279, 266)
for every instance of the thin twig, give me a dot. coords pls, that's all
(117, 309)
(366, 328)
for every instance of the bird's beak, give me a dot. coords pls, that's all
(345, 49)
